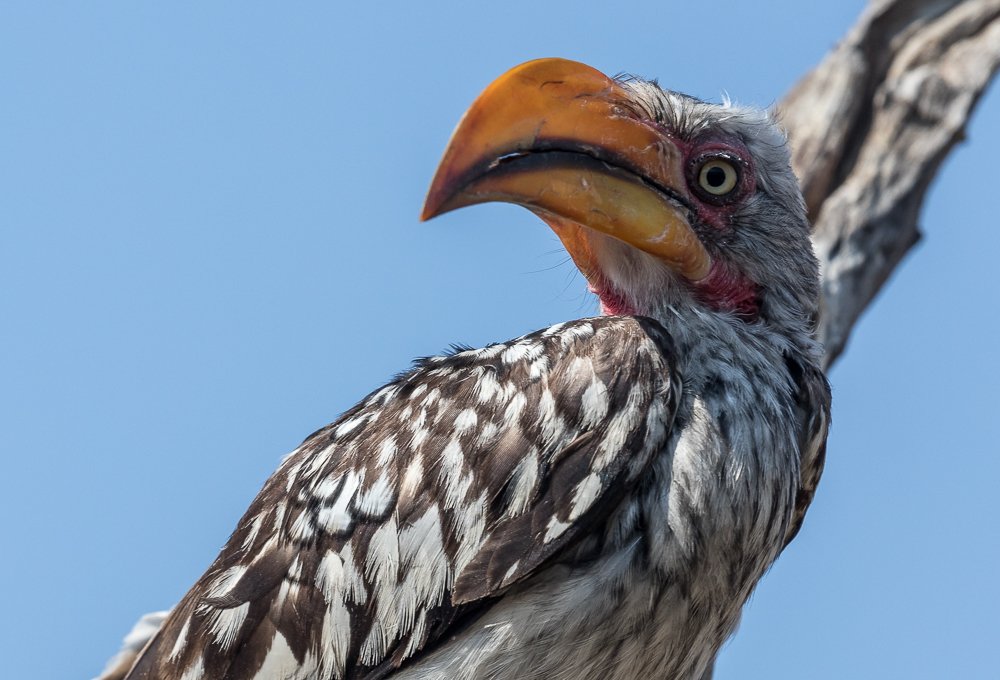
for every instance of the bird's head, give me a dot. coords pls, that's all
(666, 204)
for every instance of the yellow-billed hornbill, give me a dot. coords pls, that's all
(593, 500)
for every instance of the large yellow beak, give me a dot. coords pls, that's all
(557, 137)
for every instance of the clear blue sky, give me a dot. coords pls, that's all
(209, 248)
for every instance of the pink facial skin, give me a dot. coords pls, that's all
(723, 289)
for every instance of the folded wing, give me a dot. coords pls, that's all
(387, 530)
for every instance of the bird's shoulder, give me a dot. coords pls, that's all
(383, 532)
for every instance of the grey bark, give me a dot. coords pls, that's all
(869, 128)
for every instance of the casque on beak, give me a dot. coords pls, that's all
(557, 137)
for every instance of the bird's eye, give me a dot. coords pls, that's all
(717, 177)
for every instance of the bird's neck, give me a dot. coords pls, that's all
(711, 344)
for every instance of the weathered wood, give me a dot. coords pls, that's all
(870, 127)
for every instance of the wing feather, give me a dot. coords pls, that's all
(385, 531)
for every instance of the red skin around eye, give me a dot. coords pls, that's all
(730, 149)
(726, 145)
(723, 289)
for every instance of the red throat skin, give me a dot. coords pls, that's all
(728, 292)
(613, 303)
(720, 289)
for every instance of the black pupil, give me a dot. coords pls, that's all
(715, 177)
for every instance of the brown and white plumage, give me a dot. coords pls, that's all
(597, 499)
(416, 509)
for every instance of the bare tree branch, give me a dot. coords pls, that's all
(870, 127)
